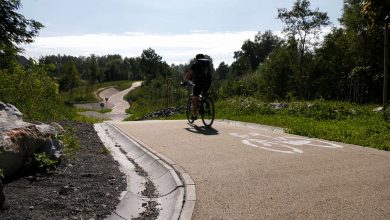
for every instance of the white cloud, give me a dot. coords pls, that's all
(174, 48)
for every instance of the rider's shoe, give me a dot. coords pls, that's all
(194, 117)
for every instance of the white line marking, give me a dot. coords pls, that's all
(269, 143)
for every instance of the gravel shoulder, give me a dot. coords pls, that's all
(85, 186)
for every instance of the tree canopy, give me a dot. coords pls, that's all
(15, 29)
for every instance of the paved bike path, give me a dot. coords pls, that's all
(118, 112)
(244, 172)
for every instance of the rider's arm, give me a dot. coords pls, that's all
(188, 75)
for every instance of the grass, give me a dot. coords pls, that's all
(336, 121)
(103, 111)
(82, 118)
(71, 143)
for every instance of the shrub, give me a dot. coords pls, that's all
(32, 91)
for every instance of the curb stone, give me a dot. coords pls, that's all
(177, 194)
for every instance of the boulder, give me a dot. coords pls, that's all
(278, 105)
(378, 109)
(19, 140)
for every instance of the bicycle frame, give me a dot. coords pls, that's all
(205, 106)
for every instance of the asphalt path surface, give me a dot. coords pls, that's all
(250, 172)
(118, 111)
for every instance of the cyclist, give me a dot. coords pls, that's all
(200, 74)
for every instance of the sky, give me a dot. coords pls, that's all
(176, 29)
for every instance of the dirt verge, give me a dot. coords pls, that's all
(85, 186)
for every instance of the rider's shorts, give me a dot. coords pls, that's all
(201, 87)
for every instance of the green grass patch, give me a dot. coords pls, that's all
(103, 111)
(82, 118)
(336, 121)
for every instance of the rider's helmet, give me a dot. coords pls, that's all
(199, 56)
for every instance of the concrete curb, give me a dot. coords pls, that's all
(177, 195)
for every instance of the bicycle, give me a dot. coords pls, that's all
(205, 106)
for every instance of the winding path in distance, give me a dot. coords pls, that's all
(118, 112)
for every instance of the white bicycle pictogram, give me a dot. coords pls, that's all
(275, 143)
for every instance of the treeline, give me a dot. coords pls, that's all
(347, 65)
(72, 71)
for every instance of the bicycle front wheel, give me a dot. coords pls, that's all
(208, 112)
(189, 111)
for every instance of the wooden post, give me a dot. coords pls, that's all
(386, 66)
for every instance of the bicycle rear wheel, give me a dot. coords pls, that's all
(189, 111)
(208, 112)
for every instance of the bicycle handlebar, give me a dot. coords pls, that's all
(187, 83)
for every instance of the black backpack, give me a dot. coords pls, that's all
(204, 70)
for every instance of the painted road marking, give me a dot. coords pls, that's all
(277, 144)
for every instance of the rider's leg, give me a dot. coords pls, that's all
(195, 102)
(195, 99)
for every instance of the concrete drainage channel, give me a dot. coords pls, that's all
(157, 188)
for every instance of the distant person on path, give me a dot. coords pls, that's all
(200, 74)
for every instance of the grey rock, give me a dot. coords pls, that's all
(52, 148)
(378, 109)
(8, 110)
(19, 140)
(279, 105)
(165, 112)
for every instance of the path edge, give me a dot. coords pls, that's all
(189, 200)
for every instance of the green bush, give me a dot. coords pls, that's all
(32, 91)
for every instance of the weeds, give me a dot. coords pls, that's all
(104, 150)
(43, 162)
(71, 143)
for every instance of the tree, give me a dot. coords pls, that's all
(333, 63)
(253, 53)
(113, 70)
(363, 38)
(303, 24)
(266, 44)
(376, 12)
(222, 71)
(70, 78)
(276, 73)
(93, 70)
(149, 63)
(133, 68)
(14, 29)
